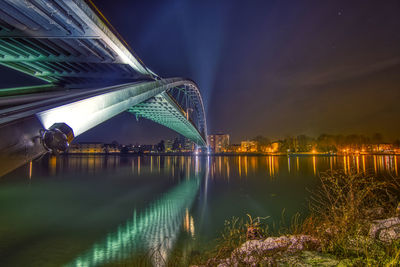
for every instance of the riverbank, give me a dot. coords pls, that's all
(237, 154)
(354, 221)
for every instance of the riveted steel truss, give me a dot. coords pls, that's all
(67, 42)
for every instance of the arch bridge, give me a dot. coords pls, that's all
(91, 75)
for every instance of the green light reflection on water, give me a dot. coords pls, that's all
(154, 229)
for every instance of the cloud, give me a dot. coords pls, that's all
(314, 77)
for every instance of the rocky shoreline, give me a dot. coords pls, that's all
(303, 250)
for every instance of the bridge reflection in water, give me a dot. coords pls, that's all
(152, 231)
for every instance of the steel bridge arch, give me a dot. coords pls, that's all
(193, 91)
(183, 99)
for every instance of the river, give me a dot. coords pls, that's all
(91, 210)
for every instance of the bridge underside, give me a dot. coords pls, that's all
(164, 110)
(82, 110)
(92, 73)
(67, 42)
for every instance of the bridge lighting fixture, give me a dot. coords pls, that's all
(57, 138)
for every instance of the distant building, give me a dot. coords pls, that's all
(383, 148)
(248, 146)
(168, 145)
(218, 142)
(86, 148)
(234, 148)
(141, 149)
(148, 148)
(188, 145)
(111, 148)
(179, 144)
(275, 146)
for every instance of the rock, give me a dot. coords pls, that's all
(390, 234)
(385, 230)
(302, 242)
(255, 252)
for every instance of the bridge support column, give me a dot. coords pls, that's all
(20, 143)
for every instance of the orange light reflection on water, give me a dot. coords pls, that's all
(138, 164)
(240, 166)
(314, 167)
(245, 164)
(30, 170)
(363, 162)
(358, 164)
(53, 165)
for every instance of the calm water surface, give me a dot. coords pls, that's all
(100, 210)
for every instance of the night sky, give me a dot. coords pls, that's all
(274, 68)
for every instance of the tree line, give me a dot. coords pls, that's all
(324, 142)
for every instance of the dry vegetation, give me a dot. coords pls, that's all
(341, 212)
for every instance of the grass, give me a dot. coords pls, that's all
(341, 213)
